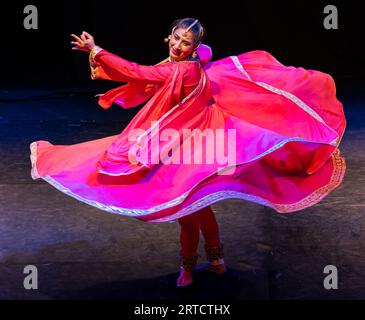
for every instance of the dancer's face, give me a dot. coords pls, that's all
(181, 45)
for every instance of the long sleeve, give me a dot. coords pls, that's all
(108, 66)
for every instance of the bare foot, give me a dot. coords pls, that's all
(215, 268)
(185, 278)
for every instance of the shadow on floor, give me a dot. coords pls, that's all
(233, 285)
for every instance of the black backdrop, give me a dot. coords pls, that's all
(292, 31)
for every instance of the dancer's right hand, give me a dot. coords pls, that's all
(83, 43)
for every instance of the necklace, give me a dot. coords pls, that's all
(189, 59)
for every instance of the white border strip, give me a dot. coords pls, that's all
(286, 94)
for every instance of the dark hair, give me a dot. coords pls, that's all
(198, 31)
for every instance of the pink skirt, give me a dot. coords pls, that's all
(287, 125)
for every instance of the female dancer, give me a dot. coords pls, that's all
(283, 126)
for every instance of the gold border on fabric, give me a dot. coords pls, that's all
(93, 67)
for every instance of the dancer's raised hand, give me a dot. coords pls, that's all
(83, 43)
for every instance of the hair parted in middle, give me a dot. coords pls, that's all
(193, 25)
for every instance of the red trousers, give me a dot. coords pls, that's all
(191, 225)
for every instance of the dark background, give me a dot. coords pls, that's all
(83, 253)
(292, 31)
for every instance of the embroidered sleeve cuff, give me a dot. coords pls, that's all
(93, 65)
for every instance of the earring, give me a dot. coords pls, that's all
(194, 55)
(167, 39)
